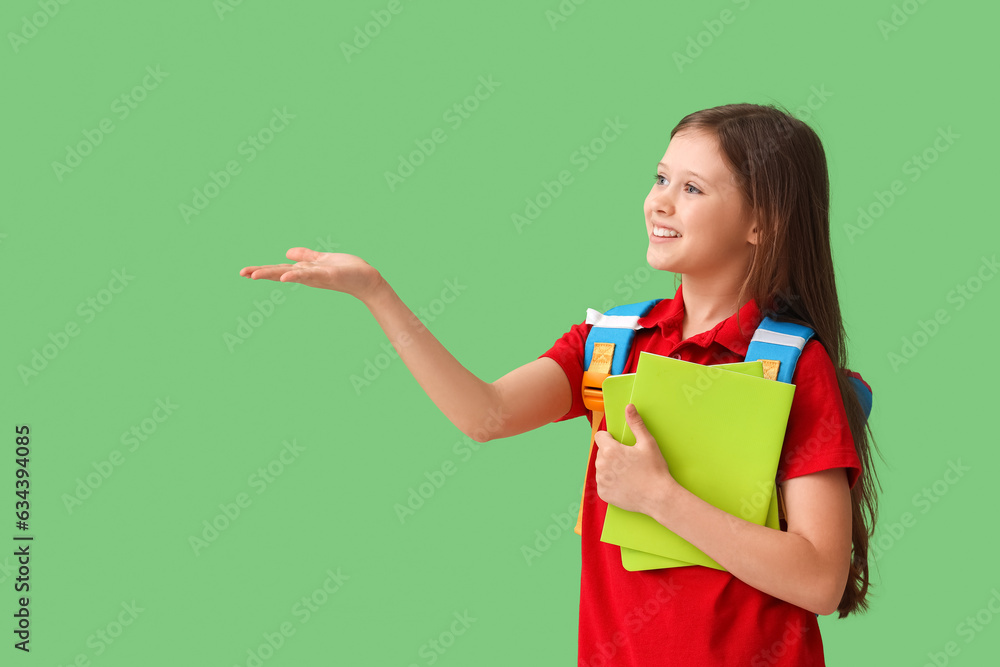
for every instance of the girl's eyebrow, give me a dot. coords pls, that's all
(686, 171)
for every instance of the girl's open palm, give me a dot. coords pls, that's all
(328, 270)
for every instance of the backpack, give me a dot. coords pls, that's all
(777, 345)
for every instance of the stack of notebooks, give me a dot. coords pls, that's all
(720, 429)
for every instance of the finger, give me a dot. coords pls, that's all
(303, 254)
(269, 272)
(248, 270)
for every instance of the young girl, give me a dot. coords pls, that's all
(739, 209)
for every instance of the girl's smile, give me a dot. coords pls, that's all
(663, 234)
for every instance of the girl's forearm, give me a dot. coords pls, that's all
(784, 565)
(467, 401)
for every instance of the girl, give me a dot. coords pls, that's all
(739, 209)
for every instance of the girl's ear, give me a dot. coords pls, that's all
(752, 232)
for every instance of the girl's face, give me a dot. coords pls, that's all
(696, 196)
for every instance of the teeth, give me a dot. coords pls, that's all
(660, 231)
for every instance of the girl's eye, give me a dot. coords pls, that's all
(657, 178)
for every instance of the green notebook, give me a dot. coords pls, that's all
(617, 391)
(737, 422)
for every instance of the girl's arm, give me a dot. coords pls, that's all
(524, 399)
(806, 566)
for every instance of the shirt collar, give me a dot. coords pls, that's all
(668, 314)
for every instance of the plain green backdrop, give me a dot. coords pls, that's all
(276, 125)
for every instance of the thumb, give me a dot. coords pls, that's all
(303, 254)
(636, 423)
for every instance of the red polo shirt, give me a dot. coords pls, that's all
(698, 615)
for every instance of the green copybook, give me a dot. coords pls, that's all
(720, 429)
(617, 390)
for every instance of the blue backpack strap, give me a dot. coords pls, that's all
(780, 341)
(783, 342)
(618, 326)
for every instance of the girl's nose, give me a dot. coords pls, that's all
(663, 199)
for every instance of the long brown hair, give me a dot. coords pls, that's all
(779, 164)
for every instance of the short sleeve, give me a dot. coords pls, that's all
(818, 436)
(568, 353)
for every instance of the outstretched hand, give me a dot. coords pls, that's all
(632, 477)
(327, 270)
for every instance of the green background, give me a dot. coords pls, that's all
(321, 183)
